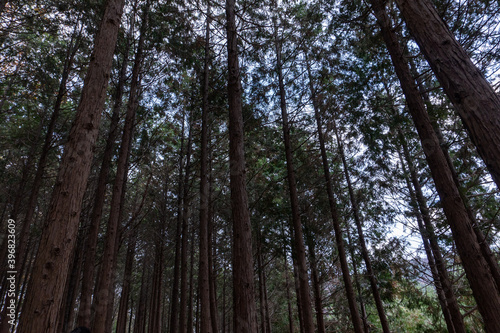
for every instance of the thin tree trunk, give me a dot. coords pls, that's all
(141, 314)
(191, 285)
(430, 257)
(318, 301)
(174, 308)
(361, 238)
(288, 298)
(245, 319)
(184, 246)
(351, 298)
(445, 282)
(364, 316)
(475, 100)
(204, 274)
(127, 280)
(476, 267)
(59, 233)
(304, 289)
(154, 311)
(104, 290)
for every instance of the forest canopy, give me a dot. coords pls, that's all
(249, 166)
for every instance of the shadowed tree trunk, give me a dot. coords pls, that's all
(204, 276)
(105, 292)
(473, 97)
(245, 318)
(476, 267)
(50, 271)
(84, 311)
(121, 321)
(300, 251)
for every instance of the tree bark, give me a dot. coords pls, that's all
(318, 299)
(245, 318)
(476, 267)
(106, 278)
(61, 226)
(184, 246)
(473, 97)
(84, 311)
(203, 275)
(121, 322)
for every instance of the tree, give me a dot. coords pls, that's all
(245, 315)
(473, 97)
(476, 267)
(61, 225)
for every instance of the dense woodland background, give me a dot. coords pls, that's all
(361, 197)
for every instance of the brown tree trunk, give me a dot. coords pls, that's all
(191, 285)
(174, 304)
(364, 316)
(318, 299)
(121, 323)
(84, 311)
(184, 246)
(475, 100)
(304, 289)
(245, 318)
(351, 298)
(141, 314)
(105, 292)
(59, 233)
(155, 304)
(66, 316)
(361, 238)
(476, 267)
(203, 275)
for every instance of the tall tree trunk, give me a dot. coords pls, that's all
(476, 267)
(436, 276)
(318, 299)
(174, 303)
(184, 246)
(24, 234)
(445, 282)
(361, 238)
(141, 314)
(288, 297)
(155, 305)
(304, 289)
(203, 275)
(59, 233)
(84, 311)
(351, 298)
(364, 316)
(485, 247)
(475, 100)
(245, 318)
(66, 316)
(127, 281)
(191, 285)
(212, 241)
(106, 279)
